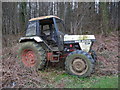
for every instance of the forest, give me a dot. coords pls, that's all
(80, 18)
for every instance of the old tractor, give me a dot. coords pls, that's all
(45, 41)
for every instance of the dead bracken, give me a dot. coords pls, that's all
(14, 76)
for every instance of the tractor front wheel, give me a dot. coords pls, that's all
(79, 63)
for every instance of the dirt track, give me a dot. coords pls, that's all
(14, 76)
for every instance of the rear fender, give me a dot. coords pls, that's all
(35, 38)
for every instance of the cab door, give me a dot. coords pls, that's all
(59, 36)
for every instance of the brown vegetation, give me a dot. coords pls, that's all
(80, 18)
(13, 76)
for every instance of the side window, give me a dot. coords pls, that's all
(45, 29)
(31, 29)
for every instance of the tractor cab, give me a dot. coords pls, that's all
(49, 28)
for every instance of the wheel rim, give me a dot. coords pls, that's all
(28, 58)
(79, 66)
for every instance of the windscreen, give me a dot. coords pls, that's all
(31, 29)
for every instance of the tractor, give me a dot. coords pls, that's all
(45, 41)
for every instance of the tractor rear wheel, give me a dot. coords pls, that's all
(32, 56)
(79, 63)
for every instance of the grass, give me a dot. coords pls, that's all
(91, 82)
(63, 80)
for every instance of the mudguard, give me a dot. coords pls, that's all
(36, 38)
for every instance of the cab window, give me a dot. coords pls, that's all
(31, 29)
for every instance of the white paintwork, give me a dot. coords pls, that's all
(83, 40)
(36, 38)
(85, 46)
(78, 37)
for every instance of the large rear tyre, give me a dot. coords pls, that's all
(79, 63)
(32, 56)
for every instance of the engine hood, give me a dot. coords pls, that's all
(78, 37)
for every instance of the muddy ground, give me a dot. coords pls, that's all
(13, 76)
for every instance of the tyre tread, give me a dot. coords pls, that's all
(83, 53)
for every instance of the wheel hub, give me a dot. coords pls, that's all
(28, 58)
(78, 65)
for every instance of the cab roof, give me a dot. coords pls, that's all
(43, 17)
